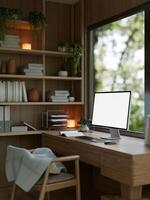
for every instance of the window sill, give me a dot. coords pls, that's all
(122, 132)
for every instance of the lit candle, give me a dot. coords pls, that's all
(26, 46)
(71, 123)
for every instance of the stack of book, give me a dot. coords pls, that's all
(34, 69)
(60, 96)
(11, 41)
(13, 91)
(54, 119)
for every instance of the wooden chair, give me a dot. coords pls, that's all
(50, 182)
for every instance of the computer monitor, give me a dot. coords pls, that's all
(111, 110)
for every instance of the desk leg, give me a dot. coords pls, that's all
(131, 193)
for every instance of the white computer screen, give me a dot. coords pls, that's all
(111, 109)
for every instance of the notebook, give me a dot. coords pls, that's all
(71, 133)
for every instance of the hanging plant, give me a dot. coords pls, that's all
(37, 20)
(3, 19)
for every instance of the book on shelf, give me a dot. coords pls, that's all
(34, 65)
(24, 92)
(59, 98)
(34, 73)
(13, 91)
(4, 118)
(61, 93)
(10, 41)
(33, 69)
(19, 128)
(15, 37)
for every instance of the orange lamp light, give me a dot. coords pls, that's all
(26, 46)
(71, 123)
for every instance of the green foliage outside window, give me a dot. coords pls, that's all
(119, 62)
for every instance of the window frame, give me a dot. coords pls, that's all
(90, 77)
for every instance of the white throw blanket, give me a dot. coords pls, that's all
(26, 168)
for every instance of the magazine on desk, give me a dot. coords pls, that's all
(73, 133)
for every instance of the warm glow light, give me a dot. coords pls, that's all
(71, 123)
(26, 45)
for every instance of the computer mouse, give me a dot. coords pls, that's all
(109, 143)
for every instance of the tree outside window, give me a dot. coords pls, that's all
(118, 56)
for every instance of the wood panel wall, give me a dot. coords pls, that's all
(96, 10)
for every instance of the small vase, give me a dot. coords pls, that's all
(11, 69)
(84, 128)
(75, 70)
(63, 73)
(3, 67)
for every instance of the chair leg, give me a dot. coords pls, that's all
(42, 195)
(13, 192)
(77, 171)
(48, 195)
(78, 195)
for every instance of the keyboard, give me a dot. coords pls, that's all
(88, 138)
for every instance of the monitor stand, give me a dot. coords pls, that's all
(114, 135)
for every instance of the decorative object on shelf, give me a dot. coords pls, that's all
(6, 14)
(3, 67)
(71, 98)
(37, 20)
(26, 46)
(11, 66)
(84, 125)
(63, 72)
(33, 95)
(77, 51)
(71, 123)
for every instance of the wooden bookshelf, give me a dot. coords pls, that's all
(44, 51)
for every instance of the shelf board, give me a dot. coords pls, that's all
(38, 103)
(10, 76)
(64, 1)
(20, 133)
(35, 52)
(19, 24)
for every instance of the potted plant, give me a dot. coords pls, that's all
(65, 47)
(14, 14)
(6, 14)
(84, 125)
(77, 51)
(37, 20)
(63, 72)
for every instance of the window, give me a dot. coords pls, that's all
(117, 62)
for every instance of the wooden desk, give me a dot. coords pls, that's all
(127, 162)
